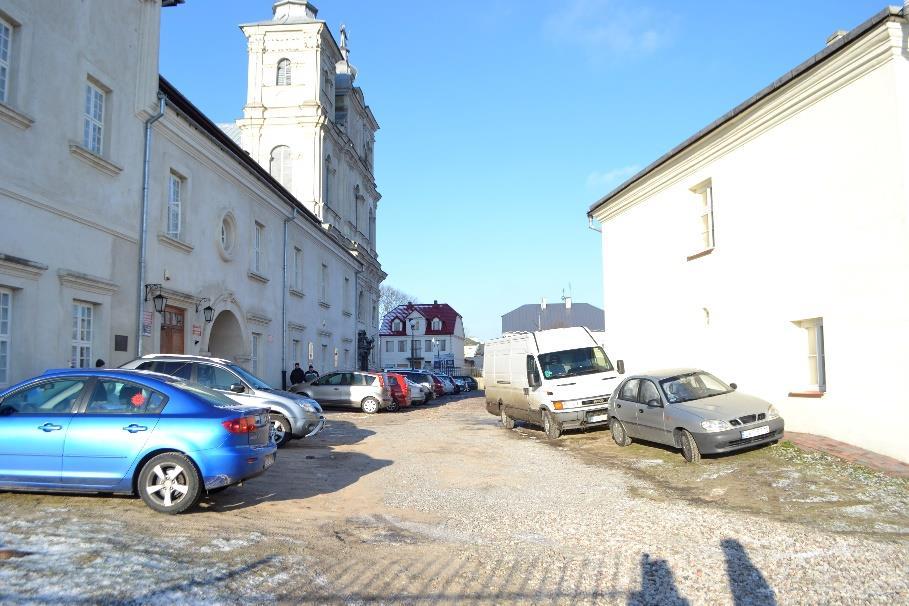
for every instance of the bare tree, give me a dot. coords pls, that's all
(390, 297)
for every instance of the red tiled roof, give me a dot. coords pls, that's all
(442, 311)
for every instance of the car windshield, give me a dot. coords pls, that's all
(574, 362)
(250, 378)
(693, 386)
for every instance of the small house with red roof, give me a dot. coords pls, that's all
(422, 335)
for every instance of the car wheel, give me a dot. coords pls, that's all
(552, 427)
(169, 483)
(507, 422)
(393, 407)
(370, 405)
(689, 447)
(619, 435)
(280, 429)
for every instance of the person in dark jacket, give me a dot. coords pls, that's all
(311, 374)
(296, 375)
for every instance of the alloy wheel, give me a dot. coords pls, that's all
(167, 485)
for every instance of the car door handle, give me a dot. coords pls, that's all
(50, 427)
(135, 428)
(618, 405)
(640, 410)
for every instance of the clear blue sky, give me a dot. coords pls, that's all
(503, 120)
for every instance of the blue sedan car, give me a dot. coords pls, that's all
(123, 431)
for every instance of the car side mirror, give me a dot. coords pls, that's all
(733, 386)
(655, 404)
(620, 366)
(238, 388)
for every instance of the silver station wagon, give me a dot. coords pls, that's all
(692, 410)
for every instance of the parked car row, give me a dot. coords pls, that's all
(562, 379)
(372, 391)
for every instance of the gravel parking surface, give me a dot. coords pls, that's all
(441, 505)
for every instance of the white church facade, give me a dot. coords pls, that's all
(149, 204)
(771, 247)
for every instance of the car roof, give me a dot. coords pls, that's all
(118, 373)
(186, 357)
(664, 373)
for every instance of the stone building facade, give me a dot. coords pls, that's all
(111, 222)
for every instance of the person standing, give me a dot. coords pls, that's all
(310, 375)
(296, 375)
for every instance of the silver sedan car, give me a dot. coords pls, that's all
(692, 410)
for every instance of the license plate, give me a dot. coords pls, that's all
(757, 431)
(269, 461)
(595, 418)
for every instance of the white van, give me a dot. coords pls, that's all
(558, 379)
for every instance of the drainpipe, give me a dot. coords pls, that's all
(284, 305)
(357, 312)
(143, 227)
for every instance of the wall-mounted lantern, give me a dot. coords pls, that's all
(159, 299)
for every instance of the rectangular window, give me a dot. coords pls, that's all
(258, 252)
(417, 346)
(389, 346)
(324, 283)
(346, 302)
(442, 345)
(6, 39)
(324, 355)
(428, 345)
(174, 201)
(254, 353)
(817, 374)
(6, 305)
(81, 348)
(298, 269)
(93, 119)
(402, 346)
(295, 350)
(346, 359)
(704, 196)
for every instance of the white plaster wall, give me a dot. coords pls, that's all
(810, 221)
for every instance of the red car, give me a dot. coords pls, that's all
(400, 391)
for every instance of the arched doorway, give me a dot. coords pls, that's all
(226, 337)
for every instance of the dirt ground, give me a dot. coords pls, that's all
(442, 505)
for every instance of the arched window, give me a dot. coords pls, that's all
(436, 324)
(361, 306)
(396, 326)
(283, 77)
(280, 166)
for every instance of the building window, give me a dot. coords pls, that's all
(436, 324)
(254, 353)
(298, 270)
(280, 166)
(428, 345)
(174, 205)
(324, 360)
(346, 294)
(328, 177)
(295, 350)
(93, 119)
(81, 348)
(283, 76)
(346, 359)
(311, 354)
(704, 196)
(389, 346)
(417, 346)
(324, 283)
(402, 346)
(6, 310)
(396, 326)
(361, 306)
(442, 345)
(258, 248)
(6, 42)
(817, 373)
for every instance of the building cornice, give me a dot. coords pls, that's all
(87, 282)
(17, 119)
(23, 268)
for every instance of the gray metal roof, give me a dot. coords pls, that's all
(530, 317)
(888, 14)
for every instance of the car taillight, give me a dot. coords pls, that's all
(381, 380)
(240, 425)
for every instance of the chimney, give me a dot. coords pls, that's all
(435, 301)
(837, 35)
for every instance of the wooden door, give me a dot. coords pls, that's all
(172, 330)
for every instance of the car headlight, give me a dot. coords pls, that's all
(715, 425)
(309, 406)
(773, 413)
